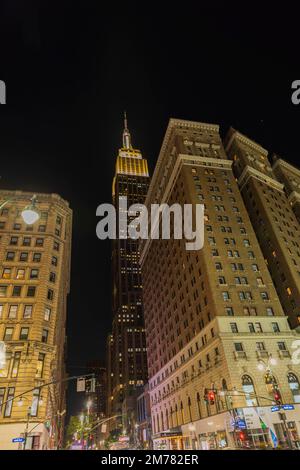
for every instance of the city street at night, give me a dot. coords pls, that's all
(149, 233)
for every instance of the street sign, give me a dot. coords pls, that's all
(275, 408)
(282, 407)
(288, 407)
(18, 439)
(240, 423)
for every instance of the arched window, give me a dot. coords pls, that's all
(190, 408)
(224, 384)
(294, 386)
(248, 389)
(198, 404)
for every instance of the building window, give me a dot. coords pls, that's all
(58, 220)
(47, 313)
(294, 387)
(20, 274)
(16, 365)
(17, 290)
(251, 327)
(27, 311)
(5, 367)
(281, 346)
(1, 310)
(264, 296)
(3, 291)
(10, 256)
(14, 240)
(225, 295)
(9, 402)
(260, 346)
(37, 257)
(6, 273)
(40, 366)
(52, 277)
(34, 274)
(45, 335)
(50, 294)
(275, 327)
(229, 311)
(56, 246)
(238, 347)
(39, 242)
(270, 312)
(26, 241)
(24, 333)
(17, 227)
(54, 261)
(2, 393)
(259, 281)
(42, 228)
(8, 334)
(248, 389)
(24, 256)
(234, 328)
(31, 291)
(13, 310)
(35, 402)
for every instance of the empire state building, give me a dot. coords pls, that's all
(127, 360)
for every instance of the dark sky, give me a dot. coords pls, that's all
(71, 68)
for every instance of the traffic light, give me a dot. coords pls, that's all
(242, 436)
(277, 397)
(211, 397)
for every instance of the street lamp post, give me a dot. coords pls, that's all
(27, 426)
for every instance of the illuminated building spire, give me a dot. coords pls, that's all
(126, 134)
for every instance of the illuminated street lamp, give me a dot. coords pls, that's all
(263, 365)
(29, 214)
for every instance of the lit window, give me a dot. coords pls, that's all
(13, 310)
(27, 311)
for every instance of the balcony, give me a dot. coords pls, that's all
(240, 355)
(262, 354)
(283, 353)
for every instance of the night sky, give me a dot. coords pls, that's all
(71, 68)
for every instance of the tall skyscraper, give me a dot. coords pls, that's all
(34, 283)
(218, 342)
(272, 216)
(289, 176)
(127, 362)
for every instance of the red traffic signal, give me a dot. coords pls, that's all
(277, 397)
(211, 397)
(242, 436)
